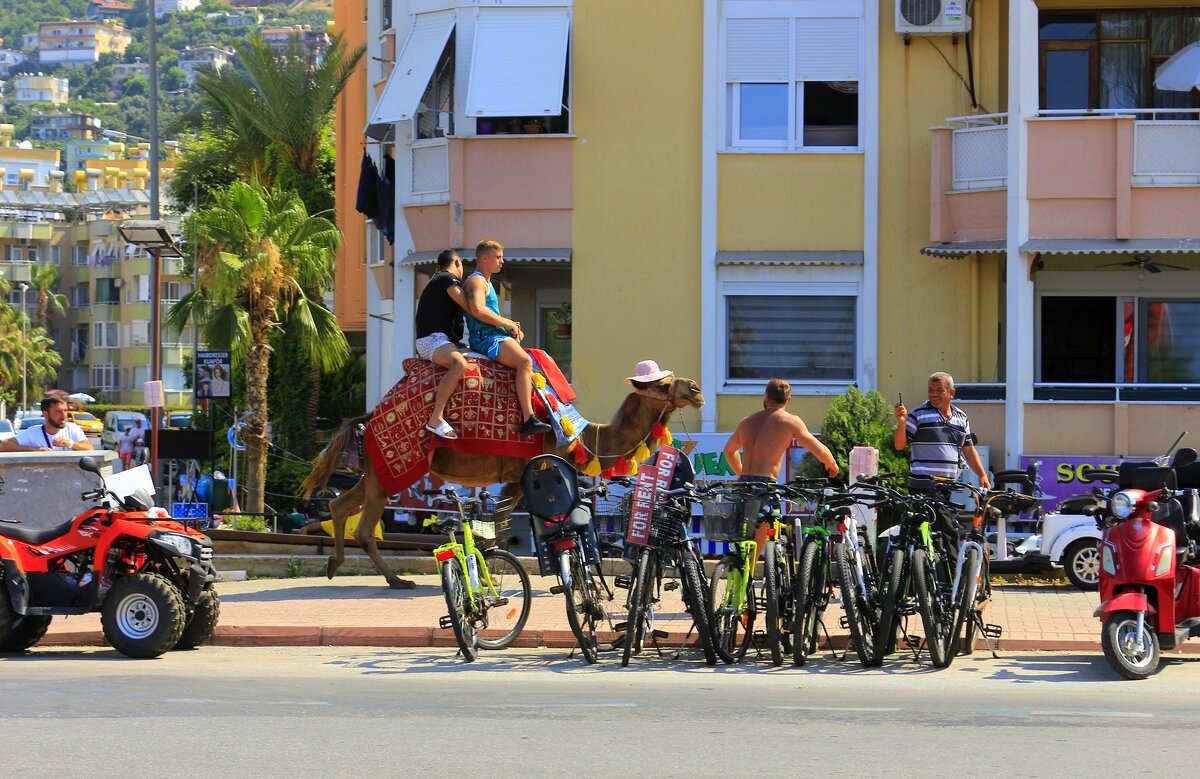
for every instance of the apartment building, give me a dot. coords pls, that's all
(123, 71)
(22, 168)
(40, 88)
(314, 41)
(9, 59)
(752, 189)
(213, 57)
(164, 7)
(64, 126)
(80, 42)
(99, 10)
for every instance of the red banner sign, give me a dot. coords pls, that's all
(651, 479)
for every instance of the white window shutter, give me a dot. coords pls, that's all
(414, 68)
(143, 288)
(756, 50)
(128, 335)
(828, 49)
(518, 61)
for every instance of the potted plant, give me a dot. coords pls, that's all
(561, 317)
(532, 126)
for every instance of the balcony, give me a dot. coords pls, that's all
(1105, 174)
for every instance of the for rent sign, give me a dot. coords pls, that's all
(651, 481)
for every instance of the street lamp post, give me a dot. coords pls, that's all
(24, 287)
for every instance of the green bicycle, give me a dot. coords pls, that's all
(487, 591)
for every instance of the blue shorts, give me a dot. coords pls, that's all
(488, 344)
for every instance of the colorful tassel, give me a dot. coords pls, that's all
(567, 427)
(658, 431)
(623, 465)
(592, 468)
(539, 381)
(608, 473)
(642, 454)
(580, 453)
(668, 439)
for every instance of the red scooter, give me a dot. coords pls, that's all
(1149, 574)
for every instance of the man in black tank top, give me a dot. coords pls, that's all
(439, 327)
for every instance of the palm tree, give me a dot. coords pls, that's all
(19, 339)
(45, 281)
(259, 253)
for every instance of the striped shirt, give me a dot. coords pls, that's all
(937, 441)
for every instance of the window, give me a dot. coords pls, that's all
(802, 331)
(105, 335)
(106, 377)
(792, 84)
(79, 296)
(55, 255)
(140, 335)
(31, 253)
(173, 291)
(107, 291)
(1119, 340)
(78, 256)
(13, 253)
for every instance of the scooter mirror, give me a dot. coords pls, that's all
(89, 464)
(1184, 457)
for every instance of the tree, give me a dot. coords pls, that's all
(25, 347)
(855, 419)
(45, 281)
(259, 253)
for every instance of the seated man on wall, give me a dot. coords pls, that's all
(497, 337)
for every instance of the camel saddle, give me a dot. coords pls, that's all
(483, 410)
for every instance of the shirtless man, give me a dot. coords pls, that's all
(755, 450)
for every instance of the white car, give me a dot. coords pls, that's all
(6, 430)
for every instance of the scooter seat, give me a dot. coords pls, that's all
(34, 535)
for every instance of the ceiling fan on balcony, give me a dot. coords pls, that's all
(1143, 263)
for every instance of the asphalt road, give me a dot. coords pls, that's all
(299, 712)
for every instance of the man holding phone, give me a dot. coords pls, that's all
(939, 433)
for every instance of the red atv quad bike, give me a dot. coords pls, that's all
(151, 578)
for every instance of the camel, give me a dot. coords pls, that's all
(631, 426)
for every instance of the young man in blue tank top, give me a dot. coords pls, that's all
(495, 336)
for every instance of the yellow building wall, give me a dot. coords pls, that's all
(930, 309)
(789, 201)
(637, 105)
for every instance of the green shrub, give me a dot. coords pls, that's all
(855, 419)
(256, 524)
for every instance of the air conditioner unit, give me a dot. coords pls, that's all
(118, 283)
(932, 17)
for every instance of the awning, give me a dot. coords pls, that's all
(956, 250)
(805, 257)
(1111, 245)
(518, 61)
(410, 77)
(511, 256)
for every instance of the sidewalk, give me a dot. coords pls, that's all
(362, 611)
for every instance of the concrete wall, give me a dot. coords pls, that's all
(41, 489)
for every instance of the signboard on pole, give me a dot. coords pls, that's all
(213, 370)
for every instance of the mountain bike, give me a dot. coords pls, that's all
(972, 580)
(487, 591)
(858, 577)
(815, 551)
(668, 546)
(918, 577)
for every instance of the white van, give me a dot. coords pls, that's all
(115, 423)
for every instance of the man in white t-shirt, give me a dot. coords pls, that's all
(54, 434)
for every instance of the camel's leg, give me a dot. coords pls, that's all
(340, 509)
(372, 514)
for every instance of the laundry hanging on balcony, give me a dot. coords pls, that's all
(376, 197)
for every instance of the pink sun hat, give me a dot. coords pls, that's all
(648, 371)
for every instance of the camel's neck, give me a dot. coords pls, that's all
(629, 426)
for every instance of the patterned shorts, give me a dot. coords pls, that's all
(431, 343)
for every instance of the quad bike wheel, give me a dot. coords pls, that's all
(203, 621)
(18, 633)
(143, 615)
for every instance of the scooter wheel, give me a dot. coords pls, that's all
(1131, 658)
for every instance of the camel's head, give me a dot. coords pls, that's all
(683, 392)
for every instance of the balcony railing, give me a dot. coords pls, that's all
(980, 151)
(430, 167)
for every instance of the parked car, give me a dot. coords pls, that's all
(6, 430)
(27, 422)
(88, 422)
(115, 423)
(179, 420)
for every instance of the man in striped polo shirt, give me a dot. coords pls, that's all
(939, 433)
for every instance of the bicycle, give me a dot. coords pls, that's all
(918, 577)
(859, 583)
(562, 521)
(972, 576)
(815, 551)
(732, 603)
(668, 545)
(485, 589)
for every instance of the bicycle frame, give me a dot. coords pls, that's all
(471, 560)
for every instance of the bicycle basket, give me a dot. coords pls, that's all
(731, 520)
(485, 524)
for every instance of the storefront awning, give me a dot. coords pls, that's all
(1111, 246)
(412, 72)
(806, 257)
(518, 61)
(958, 249)
(511, 256)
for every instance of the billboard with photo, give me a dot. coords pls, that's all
(213, 372)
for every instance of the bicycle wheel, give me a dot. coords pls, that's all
(509, 614)
(732, 627)
(639, 602)
(454, 586)
(785, 564)
(860, 614)
(584, 610)
(889, 611)
(809, 584)
(983, 594)
(771, 597)
(964, 604)
(696, 602)
(935, 614)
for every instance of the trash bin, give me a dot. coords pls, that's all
(220, 496)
